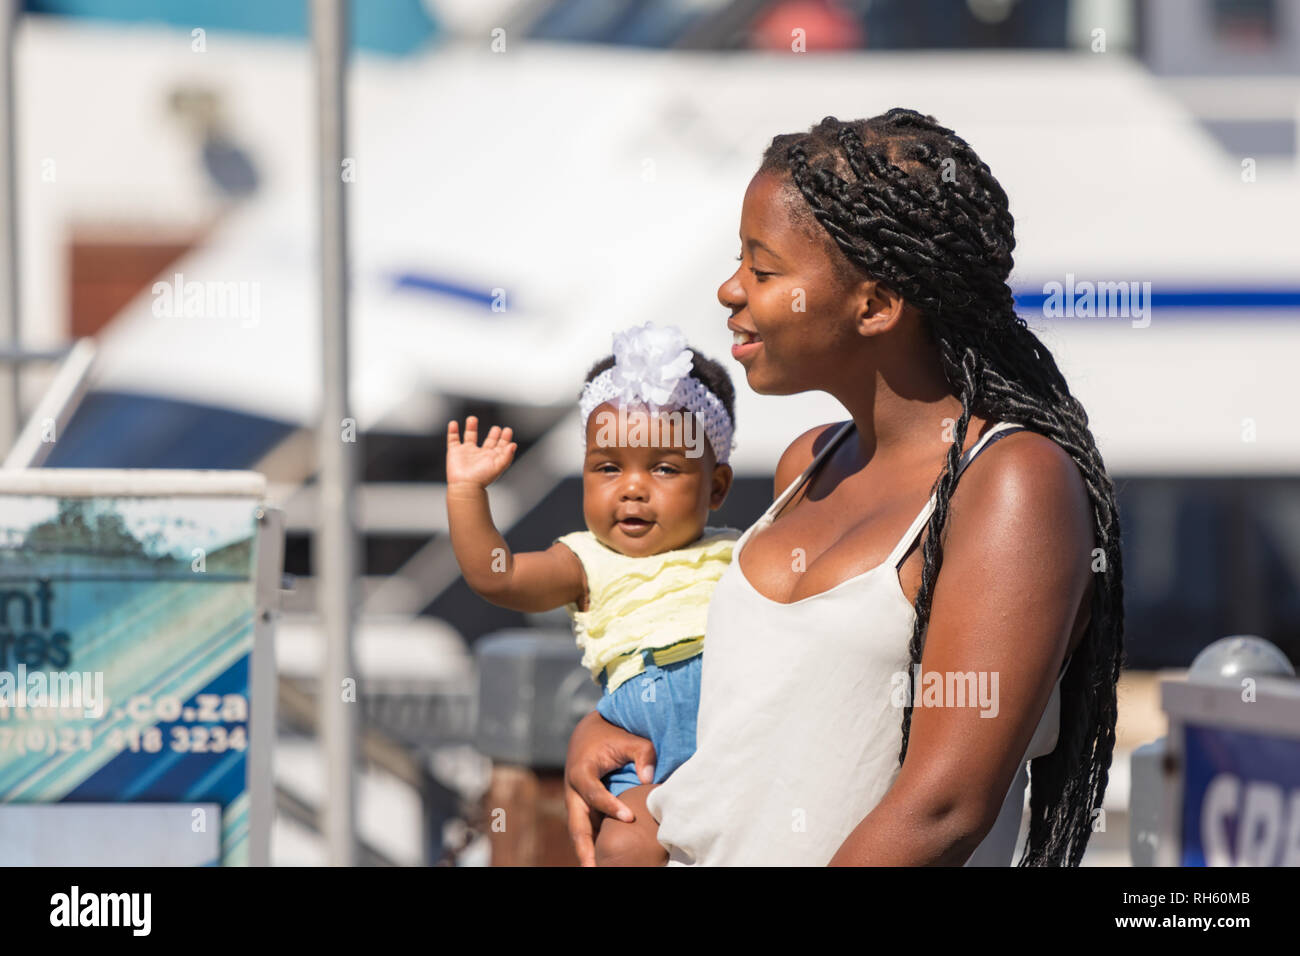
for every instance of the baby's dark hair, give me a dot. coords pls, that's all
(709, 373)
(901, 199)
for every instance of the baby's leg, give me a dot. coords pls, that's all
(635, 843)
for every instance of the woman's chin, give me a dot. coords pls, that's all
(764, 383)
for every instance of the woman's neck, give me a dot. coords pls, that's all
(910, 409)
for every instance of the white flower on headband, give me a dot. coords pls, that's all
(652, 366)
(649, 361)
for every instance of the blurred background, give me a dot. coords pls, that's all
(527, 178)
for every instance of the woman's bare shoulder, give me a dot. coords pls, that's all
(1029, 475)
(1025, 455)
(800, 454)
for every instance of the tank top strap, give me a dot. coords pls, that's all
(905, 543)
(776, 506)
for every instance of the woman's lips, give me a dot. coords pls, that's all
(745, 343)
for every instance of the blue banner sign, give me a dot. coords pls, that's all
(1241, 798)
(127, 629)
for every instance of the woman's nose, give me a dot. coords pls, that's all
(731, 293)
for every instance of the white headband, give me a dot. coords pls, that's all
(652, 366)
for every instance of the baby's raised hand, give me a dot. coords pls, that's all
(470, 463)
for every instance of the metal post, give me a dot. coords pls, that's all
(10, 412)
(335, 541)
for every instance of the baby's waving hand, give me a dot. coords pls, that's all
(532, 581)
(468, 463)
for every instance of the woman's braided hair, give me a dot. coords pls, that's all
(910, 204)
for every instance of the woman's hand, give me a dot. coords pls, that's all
(470, 464)
(595, 748)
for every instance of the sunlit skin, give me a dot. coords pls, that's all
(816, 330)
(781, 269)
(1015, 585)
(648, 500)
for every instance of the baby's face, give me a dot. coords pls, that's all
(649, 482)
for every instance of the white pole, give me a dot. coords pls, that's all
(10, 413)
(335, 541)
(61, 398)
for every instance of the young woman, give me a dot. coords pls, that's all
(874, 264)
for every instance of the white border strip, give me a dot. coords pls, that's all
(131, 482)
(1275, 709)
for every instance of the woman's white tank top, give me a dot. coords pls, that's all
(798, 733)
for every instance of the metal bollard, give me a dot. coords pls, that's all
(1153, 767)
(1242, 655)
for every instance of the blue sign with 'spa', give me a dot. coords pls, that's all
(1241, 798)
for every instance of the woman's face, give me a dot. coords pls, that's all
(794, 318)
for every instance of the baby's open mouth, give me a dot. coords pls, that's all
(634, 524)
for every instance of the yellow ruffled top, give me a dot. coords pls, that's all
(658, 602)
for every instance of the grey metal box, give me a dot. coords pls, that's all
(532, 692)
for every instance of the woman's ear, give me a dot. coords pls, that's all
(879, 308)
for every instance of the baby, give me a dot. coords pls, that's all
(657, 421)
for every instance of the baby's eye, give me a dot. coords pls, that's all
(607, 468)
(667, 469)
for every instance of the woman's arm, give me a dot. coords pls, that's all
(1016, 567)
(595, 748)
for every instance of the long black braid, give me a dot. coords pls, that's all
(910, 204)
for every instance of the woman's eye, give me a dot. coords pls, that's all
(667, 469)
(757, 272)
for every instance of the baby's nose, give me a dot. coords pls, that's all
(634, 488)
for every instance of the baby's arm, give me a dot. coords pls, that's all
(532, 581)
